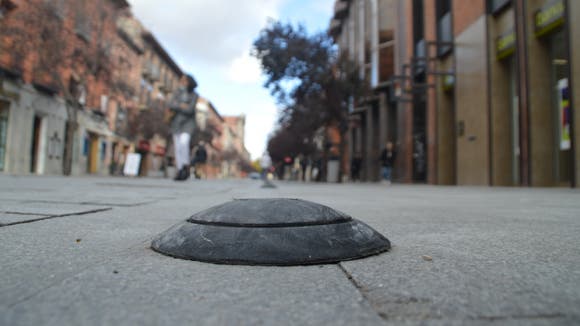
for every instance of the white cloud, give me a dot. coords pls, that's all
(206, 31)
(258, 126)
(245, 70)
(212, 40)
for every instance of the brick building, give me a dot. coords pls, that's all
(484, 91)
(56, 64)
(90, 70)
(237, 156)
(159, 80)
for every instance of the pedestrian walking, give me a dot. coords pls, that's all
(182, 124)
(199, 160)
(388, 156)
(265, 164)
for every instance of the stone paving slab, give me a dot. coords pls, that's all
(141, 287)
(496, 256)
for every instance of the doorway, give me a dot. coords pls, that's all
(419, 131)
(3, 132)
(93, 158)
(35, 155)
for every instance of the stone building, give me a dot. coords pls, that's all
(483, 91)
(236, 157)
(158, 81)
(210, 129)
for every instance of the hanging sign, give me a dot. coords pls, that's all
(564, 109)
(551, 16)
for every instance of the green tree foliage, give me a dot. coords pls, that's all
(313, 84)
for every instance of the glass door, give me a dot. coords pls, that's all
(515, 123)
(561, 109)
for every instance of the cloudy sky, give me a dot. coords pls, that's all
(212, 39)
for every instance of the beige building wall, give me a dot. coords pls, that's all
(501, 102)
(446, 135)
(472, 104)
(574, 28)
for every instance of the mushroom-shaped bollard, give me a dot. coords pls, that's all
(273, 231)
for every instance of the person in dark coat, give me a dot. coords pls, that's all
(355, 165)
(388, 156)
(182, 124)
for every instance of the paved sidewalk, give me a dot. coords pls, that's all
(75, 251)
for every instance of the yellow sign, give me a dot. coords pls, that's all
(506, 44)
(550, 16)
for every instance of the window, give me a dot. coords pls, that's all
(82, 23)
(444, 28)
(57, 7)
(5, 7)
(496, 6)
(418, 21)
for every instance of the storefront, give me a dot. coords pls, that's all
(504, 87)
(550, 106)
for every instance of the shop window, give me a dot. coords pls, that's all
(3, 132)
(85, 146)
(103, 150)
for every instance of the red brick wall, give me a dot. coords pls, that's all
(466, 13)
(43, 43)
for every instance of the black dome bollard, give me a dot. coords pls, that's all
(270, 232)
(268, 184)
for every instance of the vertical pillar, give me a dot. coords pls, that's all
(384, 121)
(370, 148)
(573, 20)
(522, 76)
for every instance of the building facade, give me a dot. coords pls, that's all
(484, 91)
(364, 31)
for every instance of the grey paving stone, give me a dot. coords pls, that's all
(499, 256)
(141, 287)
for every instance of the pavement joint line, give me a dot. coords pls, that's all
(128, 185)
(89, 203)
(56, 216)
(523, 317)
(361, 291)
(360, 288)
(24, 213)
